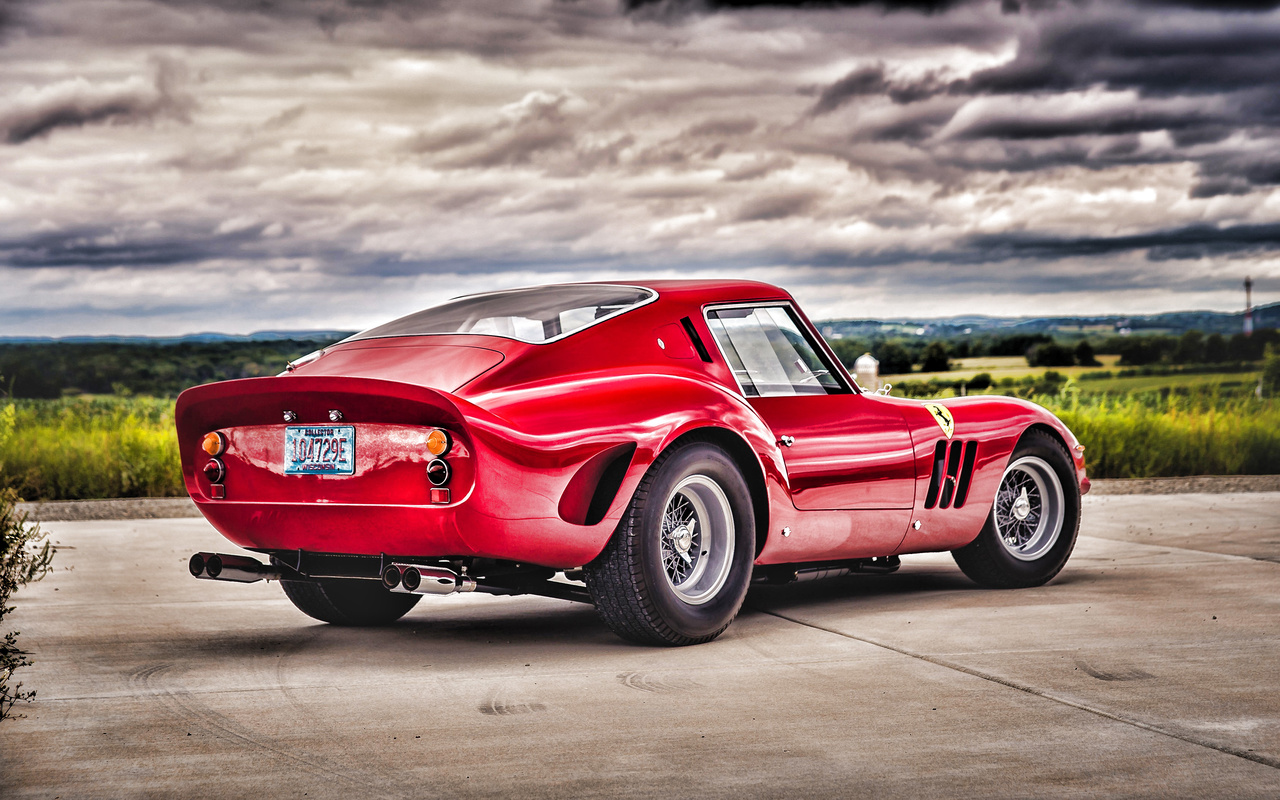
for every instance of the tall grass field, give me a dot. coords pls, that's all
(84, 448)
(1167, 435)
(77, 448)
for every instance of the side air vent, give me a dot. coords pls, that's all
(952, 472)
(695, 339)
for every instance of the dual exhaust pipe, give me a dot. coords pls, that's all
(420, 579)
(222, 567)
(401, 578)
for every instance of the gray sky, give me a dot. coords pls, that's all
(169, 166)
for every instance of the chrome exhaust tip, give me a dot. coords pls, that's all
(237, 569)
(420, 579)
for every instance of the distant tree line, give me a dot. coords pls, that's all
(1192, 347)
(900, 355)
(52, 369)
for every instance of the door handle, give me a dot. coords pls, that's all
(787, 440)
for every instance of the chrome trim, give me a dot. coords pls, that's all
(652, 292)
(425, 580)
(237, 569)
(842, 375)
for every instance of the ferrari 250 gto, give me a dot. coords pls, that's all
(651, 448)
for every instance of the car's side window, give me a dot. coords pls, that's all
(769, 353)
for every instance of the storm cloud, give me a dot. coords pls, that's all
(329, 165)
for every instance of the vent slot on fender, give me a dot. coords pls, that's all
(966, 474)
(952, 473)
(935, 480)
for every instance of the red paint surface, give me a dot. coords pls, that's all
(534, 425)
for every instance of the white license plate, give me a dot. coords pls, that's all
(320, 450)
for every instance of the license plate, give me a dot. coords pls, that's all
(320, 450)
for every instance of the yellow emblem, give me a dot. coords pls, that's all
(942, 416)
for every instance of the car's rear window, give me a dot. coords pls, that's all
(539, 314)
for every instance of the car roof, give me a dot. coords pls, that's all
(707, 290)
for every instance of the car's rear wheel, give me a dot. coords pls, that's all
(344, 601)
(678, 565)
(1032, 527)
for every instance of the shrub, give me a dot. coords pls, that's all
(1084, 355)
(25, 555)
(1137, 351)
(1271, 372)
(1050, 354)
(980, 381)
(935, 358)
(894, 358)
(1190, 349)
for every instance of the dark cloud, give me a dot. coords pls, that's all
(724, 126)
(1189, 242)
(103, 247)
(1104, 122)
(871, 81)
(888, 6)
(369, 143)
(1203, 77)
(77, 103)
(778, 205)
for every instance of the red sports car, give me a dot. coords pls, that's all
(651, 448)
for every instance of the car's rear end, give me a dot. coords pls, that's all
(328, 464)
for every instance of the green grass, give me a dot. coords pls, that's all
(1146, 383)
(81, 448)
(998, 367)
(1139, 427)
(1209, 431)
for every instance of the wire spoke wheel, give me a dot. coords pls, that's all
(1029, 508)
(697, 539)
(677, 568)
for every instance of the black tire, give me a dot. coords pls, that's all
(1037, 506)
(344, 601)
(708, 543)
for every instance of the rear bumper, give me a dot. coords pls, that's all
(422, 531)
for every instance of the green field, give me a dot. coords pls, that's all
(998, 367)
(1143, 426)
(81, 448)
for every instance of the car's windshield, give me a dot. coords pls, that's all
(535, 315)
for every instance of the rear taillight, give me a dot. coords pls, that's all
(214, 443)
(438, 442)
(215, 471)
(438, 472)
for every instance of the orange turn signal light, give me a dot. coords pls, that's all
(438, 442)
(214, 443)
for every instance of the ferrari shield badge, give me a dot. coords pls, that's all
(942, 416)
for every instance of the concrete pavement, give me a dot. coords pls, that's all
(1150, 667)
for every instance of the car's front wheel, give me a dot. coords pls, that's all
(677, 568)
(346, 601)
(1032, 526)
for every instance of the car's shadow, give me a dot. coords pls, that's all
(527, 624)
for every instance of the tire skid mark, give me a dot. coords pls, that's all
(1231, 750)
(1131, 674)
(499, 705)
(184, 705)
(657, 684)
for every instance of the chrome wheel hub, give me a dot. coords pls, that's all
(682, 540)
(697, 539)
(1029, 509)
(1022, 506)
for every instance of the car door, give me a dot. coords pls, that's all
(842, 449)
